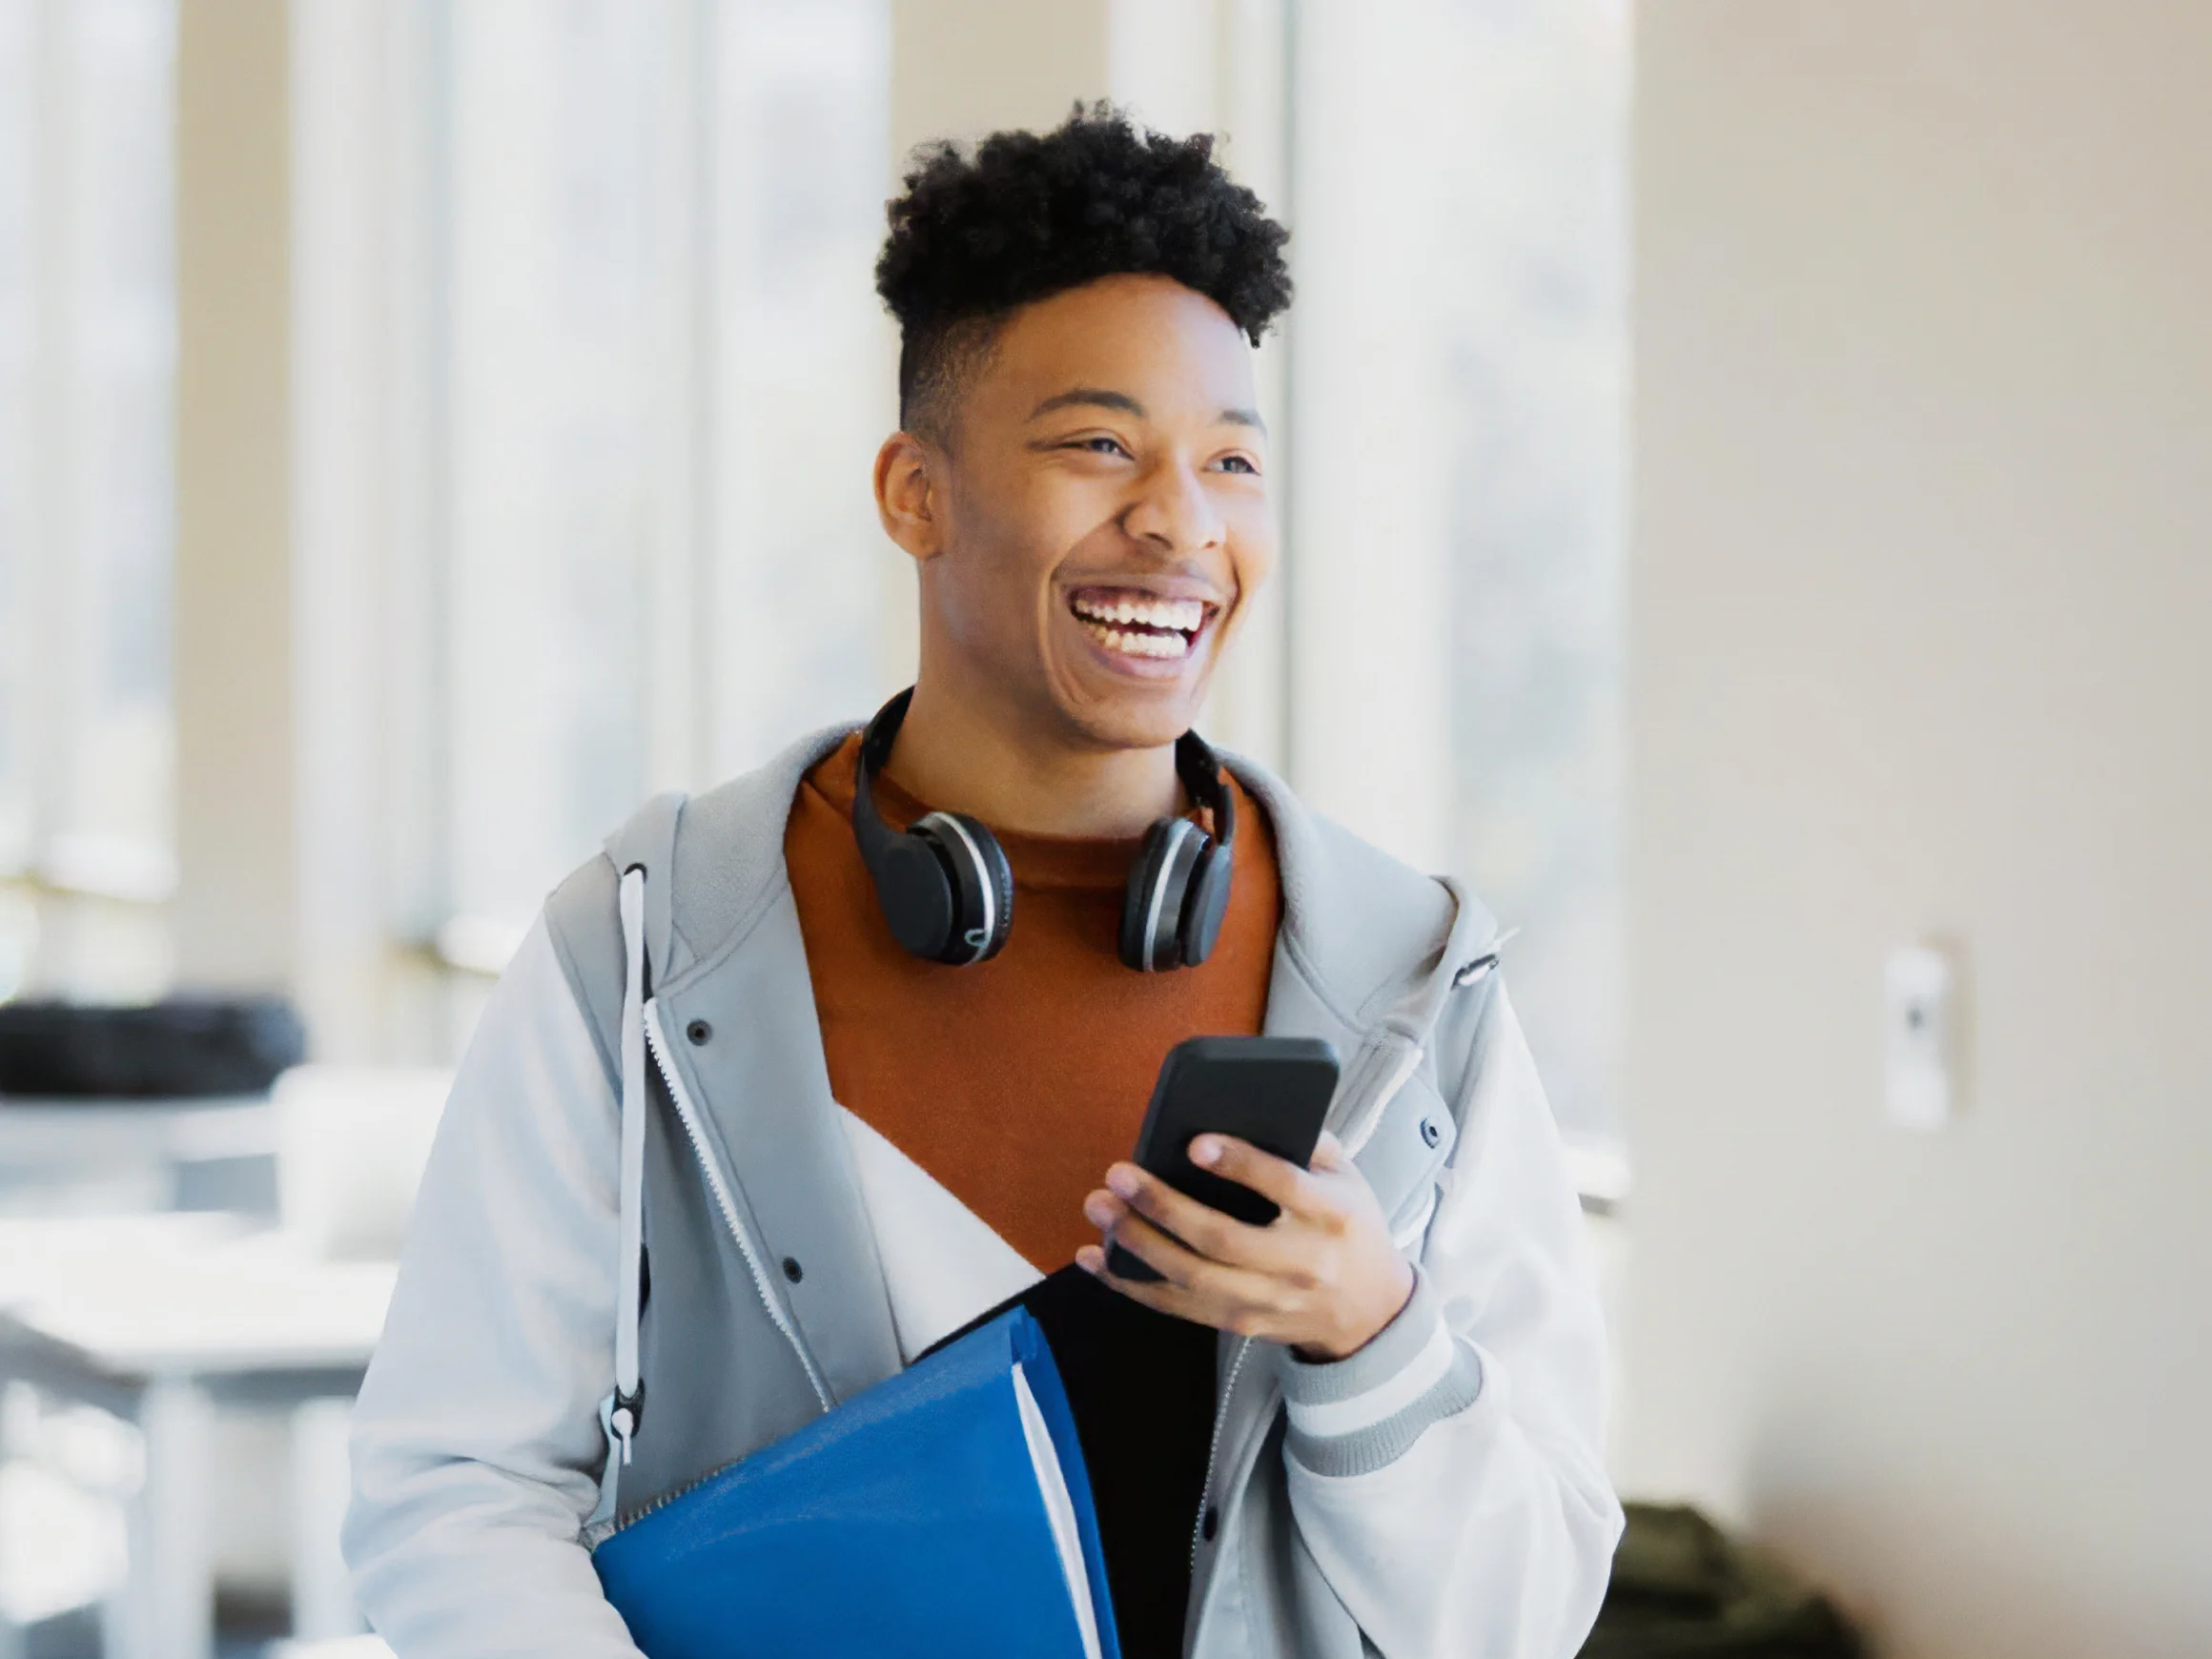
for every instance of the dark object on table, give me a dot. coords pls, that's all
(1683, 1590)
(184, 1047)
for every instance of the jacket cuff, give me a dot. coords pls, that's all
(1350, 1416)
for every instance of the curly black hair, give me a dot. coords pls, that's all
(1025, 215)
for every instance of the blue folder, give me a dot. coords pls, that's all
(945, 1510)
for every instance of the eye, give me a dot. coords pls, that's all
(1238, 463)
(1100, 444)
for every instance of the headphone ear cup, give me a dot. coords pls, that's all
(1132, 942)
(997, 874)
(981, 883)
(914, 887)
(1151, 905)
(1207, 904)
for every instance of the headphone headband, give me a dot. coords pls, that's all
(1202, 775)
(947, 889)
(873, 834)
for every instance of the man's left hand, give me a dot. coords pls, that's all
(1321, 1277)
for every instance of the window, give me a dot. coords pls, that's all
(1456, 500)
(1534, 362)
(568, 326)
(87, 355)
(666, 376)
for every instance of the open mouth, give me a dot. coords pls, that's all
(1136, 623)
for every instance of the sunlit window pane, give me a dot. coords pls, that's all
(1533, 216)
(112, 826)
(805, 383)
(555, 117)
(1458, 357)
(668, 374)
(18, 357)
(86, 386)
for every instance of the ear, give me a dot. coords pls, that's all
(910, 494)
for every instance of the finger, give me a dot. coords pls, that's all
(1270, 1176)
(1328, 1153)
(1205, 1229)
(1150, 1243)
(1221, 1290)
(1211, 1301)
(1158, 1295)
(1102, 1209)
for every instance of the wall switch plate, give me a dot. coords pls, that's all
(1920, 996)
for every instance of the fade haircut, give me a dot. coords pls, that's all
(1025, 215)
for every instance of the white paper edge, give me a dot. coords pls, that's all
(1059, 1509)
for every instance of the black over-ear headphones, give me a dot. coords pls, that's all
(948, 891)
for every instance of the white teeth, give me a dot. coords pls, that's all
(1135, 644)
(1187, 615)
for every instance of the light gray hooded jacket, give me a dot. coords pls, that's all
(1463, 1510)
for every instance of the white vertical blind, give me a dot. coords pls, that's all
(87, 375)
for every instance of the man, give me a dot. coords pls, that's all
(1374, 1424)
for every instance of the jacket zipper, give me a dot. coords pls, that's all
(1213, 1448)
(631, 1517)
(689, 1112)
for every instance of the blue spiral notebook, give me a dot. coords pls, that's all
(945, 1510)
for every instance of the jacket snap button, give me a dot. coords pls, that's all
(792, 1271)
(698, 1030)
(1212, 1524)
(1430, 1133)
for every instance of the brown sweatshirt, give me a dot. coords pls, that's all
(1014, 1082)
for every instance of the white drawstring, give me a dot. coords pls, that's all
(623, 1419)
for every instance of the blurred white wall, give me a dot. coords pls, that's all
(1920, 604)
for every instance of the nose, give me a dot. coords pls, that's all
(1173, 511)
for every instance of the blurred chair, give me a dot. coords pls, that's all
(114, 1158)
(351, 1143)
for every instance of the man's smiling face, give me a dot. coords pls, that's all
(1103, 519)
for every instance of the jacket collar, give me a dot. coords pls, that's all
(1375, 943)
(1366, 953)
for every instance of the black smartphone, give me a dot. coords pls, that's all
(1273, 1092)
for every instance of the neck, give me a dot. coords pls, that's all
(963, 754)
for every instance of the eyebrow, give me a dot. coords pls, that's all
(1092, 397)
(1099, 397)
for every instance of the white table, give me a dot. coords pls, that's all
(136, 1147)
(158, 1319)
